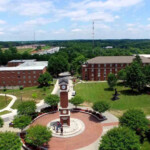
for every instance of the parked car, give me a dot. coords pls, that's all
(73, 93)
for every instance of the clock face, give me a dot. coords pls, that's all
(64, 111)
(63, 87)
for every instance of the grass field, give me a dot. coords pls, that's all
(92, 92)
(4, 112)
(3, 102)
(29, 50)
(145, 146)
(27, 94)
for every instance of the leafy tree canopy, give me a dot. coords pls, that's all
(136, 120)
(21, 121)
(1, 122)
(135, 77)
(26, 108)
(38, 135)
(77, 100)
(52, 100)
(122, 74)
(121, 138)
(57, 64)
(112, 80)
(9, 141)
(101, 106)
(44, 79)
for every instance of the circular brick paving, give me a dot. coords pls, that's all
(93, 130)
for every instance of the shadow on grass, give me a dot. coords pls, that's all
(130, 92)
(108, 89)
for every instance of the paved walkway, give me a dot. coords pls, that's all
(87, 140)
(14, 98)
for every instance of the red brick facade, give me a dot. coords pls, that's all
(64, 99)
(99, 72)
(98, 68)
(25, 78)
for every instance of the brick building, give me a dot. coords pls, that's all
(21, 73)
(98, 68)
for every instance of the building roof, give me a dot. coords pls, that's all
(27, 65)
(115, 59)
(23, 60)
(63, 80)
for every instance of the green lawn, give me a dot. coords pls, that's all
(92, 92)
(27, 94)
(29, 50)
(3, 102)
(146, 146)
(4, 112)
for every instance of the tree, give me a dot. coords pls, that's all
(122, 75)
(77, 100)
(146, 70)
(136, 120)
(135, 77)
(112, 80)
(21, 121)
(1, 122)
(57, 64)
(9, 141)
(38, 135)
(26, 108)
(121, 138)
(101, 106)
(44, 79)
(52, 100)
(138, 59)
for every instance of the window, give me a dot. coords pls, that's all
(99, 65)
(18, 72)
(85, 69)
(99, 74)
(110, 65)
(116, 69)
(24, 77)
(92, 70)
(19, 81)
(34, 81)
(110, 70)
(18, 76)
(104, 65)
(99, 70)
(29, 81)
(92, 74)
(24, 81)
(34, 72)
(121, 65)
(116, 65)
(34, 76)
(92, 65)
(29, 77)
(104, 70)
(29, 72)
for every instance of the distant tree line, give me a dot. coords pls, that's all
(74, 53)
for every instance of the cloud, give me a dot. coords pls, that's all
(2, 22)
(33, 7)
(60, 31)
(76, 30)
(4, 5)
(148, 19)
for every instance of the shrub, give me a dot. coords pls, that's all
(135, 120)
(38, 135)
(21, 121)
(26, 108)
(9, 141)
(77, 100)
(121, 138)
(101, 106)
(112, 80)
(52, 100)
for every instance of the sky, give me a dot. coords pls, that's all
(72, 19)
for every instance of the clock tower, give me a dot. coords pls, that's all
(64, 108)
